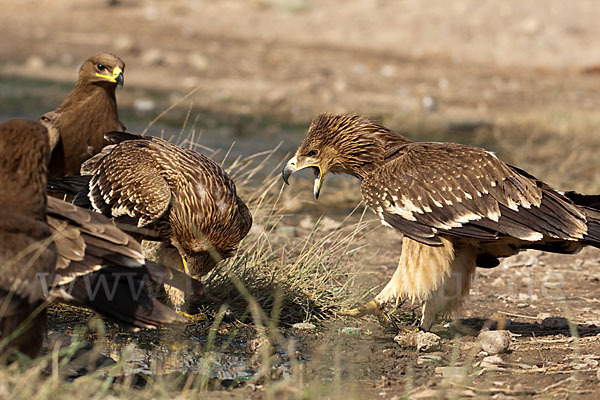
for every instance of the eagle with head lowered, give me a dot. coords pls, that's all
(457, 206)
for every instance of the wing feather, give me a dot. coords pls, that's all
(465, 191)
(126, 182)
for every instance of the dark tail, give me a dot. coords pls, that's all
(121, 294)
(172, 277)
(76, 186)
(590, 205)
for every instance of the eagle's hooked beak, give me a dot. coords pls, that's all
(292, 166)
(185, 265)
(116, 77)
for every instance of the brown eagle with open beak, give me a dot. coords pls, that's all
(457, 206)
(76, 128)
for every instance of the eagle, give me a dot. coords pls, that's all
(166, 193)
(457, 206)
(51, 250)
(76, 128)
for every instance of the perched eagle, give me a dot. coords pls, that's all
(457, 206)
(165, 193)
(52, 250)
(76, 128)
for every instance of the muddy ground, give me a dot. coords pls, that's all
(520, 78)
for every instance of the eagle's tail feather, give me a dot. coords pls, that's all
(590, 206)
(121, 294)
(76, 186)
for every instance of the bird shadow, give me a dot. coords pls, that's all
(552, 326)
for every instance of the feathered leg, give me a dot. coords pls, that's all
(447, 298)
(440, 276)
(422, 271)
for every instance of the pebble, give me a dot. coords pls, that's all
(304, 326)
(428, 342)
(492, 362)
(555, 323)
(598, 374)
(494, 342)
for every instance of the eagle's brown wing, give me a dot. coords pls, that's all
(125, 182)
(103, 268)
(431, 189)
(84, 239)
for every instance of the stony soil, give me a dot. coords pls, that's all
(521, 77)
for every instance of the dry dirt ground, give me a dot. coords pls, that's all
(519, 77)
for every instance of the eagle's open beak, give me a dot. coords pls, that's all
(292, 166)
(116, 77)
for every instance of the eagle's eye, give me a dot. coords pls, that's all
(100, 67)
(313, 153)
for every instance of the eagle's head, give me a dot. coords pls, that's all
(208, 229)
(346, 143)
(103, 68)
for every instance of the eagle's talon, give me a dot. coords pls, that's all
(371, 308)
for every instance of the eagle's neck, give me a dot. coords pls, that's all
(364, 152)
(91, 95)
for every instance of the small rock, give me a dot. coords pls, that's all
(428, 342)
(492, 362)
(522, 305)
(555, 323)
(406, 339)
(598, 374)
(305, 326)
(494, 342)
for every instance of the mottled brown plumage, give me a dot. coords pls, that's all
(26, 246)
(458, 206)
(169, 193)
(51, 250)
(77, 127)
